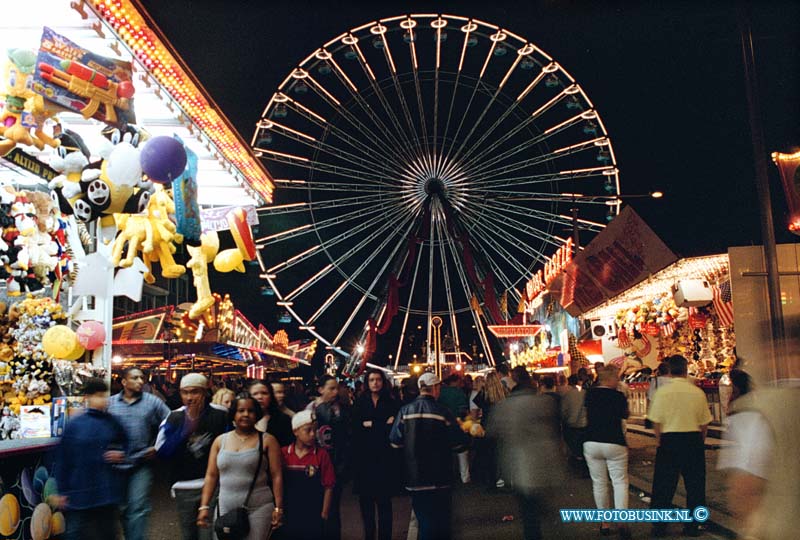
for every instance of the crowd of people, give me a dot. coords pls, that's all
(280, 454)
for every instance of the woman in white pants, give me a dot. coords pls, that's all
(604, 445)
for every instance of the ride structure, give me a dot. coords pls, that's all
(427, 165)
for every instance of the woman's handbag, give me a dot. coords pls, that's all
(235, 524)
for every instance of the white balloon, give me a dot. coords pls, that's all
(122, 167)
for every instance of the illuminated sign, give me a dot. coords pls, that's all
(552, 268)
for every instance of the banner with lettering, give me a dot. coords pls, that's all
(216, 217)
(622, 255)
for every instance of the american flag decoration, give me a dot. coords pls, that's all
(723, 304)
(668, 329)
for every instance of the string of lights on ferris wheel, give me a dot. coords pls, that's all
(424, 118)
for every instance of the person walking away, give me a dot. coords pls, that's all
(453, 397)
(334, 434)
(573, 419)
(141, 415)
(526, 427)
(486, 449)
(244, 463)
(680, 416)
(184, 442)
(87, 471)
(762, 469)
(375, 461)
(309, 479)
(428, 433)
(522, 380)
(279, 391)
(604, 444)
(273, 421)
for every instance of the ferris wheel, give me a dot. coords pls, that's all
(426, 165)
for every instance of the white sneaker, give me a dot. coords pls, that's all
(500, 483)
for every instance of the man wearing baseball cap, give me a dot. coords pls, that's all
(429, 434)
(184, 440)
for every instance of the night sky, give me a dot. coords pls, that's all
(666, 77)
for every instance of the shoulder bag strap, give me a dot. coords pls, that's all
(258, 467)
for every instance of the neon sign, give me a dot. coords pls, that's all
(552, 268)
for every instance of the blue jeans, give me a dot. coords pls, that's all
(187, 501)
(136, 507)
(433, 509)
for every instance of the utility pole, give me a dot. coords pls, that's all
(764, 197)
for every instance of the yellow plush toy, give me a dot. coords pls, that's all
(154, 234)
(198, 264)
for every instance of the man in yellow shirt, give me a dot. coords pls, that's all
(680, 416)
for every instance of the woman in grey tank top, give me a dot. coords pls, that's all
(232, 464)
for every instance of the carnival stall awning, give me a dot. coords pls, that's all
(167, 99)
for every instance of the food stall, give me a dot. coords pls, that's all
(104, 132)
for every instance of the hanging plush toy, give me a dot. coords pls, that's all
(154, 234)
(198, 264)
(23, 108)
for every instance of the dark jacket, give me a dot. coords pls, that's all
(187, 446)
(81, 472)
(454, 399)
(280, 427)
(334, 434)
(428, 433)
(375, 462)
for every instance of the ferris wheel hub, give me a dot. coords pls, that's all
(434, 186)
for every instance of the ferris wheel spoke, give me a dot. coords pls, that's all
(562, 176)
(318, 205)
(322, 224)
(469, 294)
(406, 144)
(408, 312)
(553, 218)
(319, 248)
(371, 135)
(544, 158)
(488, 237)
(445, 238)
(368, 165)
(365, 107)
(378, 276)
(376, 153)
(315, 165)
(316, 185)
(412, 47)
(547, 134)
(520, 226)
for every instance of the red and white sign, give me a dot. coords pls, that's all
(622, 255)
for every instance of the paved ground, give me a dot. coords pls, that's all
(479, 512)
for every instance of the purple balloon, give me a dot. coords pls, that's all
(163, 159)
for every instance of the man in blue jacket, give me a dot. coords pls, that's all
(87, 469)
(429, 435)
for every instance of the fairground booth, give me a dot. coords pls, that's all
(626, 300)
(122, 188)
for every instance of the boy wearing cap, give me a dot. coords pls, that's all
(308, 480)
(429, 435)
(184, 440)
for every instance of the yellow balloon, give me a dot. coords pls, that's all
(59, 341)
(41, 522)
(228, 260)
(9, 515)
(76, 353)
(57, 524)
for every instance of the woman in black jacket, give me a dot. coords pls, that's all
(376, 463)
(274, 422)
